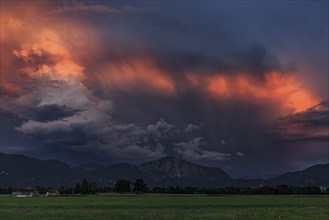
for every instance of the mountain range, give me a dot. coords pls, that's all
(21, 171)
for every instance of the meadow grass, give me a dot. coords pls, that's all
(165, 207)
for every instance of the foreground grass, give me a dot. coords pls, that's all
(154, 206)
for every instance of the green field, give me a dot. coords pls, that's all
(155, 206)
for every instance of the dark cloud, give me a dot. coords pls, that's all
(311, 125)
(255, 60)
(180, 46)
(51, 112)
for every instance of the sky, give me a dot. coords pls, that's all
(240, 85)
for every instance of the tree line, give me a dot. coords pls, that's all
(139, 186)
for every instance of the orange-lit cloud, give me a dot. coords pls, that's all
(34, 47)
(54, 50)
(284, 89)
(49, 58)
(139, 72)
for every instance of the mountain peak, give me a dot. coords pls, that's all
(170, 159)
(174, 168)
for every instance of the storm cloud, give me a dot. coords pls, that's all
(310, 125)
(139, 81)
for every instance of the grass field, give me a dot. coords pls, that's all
(155, 206)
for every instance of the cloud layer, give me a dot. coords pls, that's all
(141, 81)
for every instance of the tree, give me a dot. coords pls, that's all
(139, 186)
(122, 186)
(77, 189)
(85, 186)
(93, 187)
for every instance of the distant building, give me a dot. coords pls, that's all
(323, 189)
(26, 192)
(52, 192)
